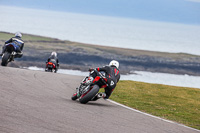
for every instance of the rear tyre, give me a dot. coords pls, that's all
(48, 70)
(85, 99)
(5, 59)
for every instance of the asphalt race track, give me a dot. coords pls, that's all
(40, 102)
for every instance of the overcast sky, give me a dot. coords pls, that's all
(180, 11)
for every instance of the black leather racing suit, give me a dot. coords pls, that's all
(112, 75)
(18, 41)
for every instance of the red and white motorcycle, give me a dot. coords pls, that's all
(50, 67)
(90, 87)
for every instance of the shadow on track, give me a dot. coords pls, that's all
(93, 103)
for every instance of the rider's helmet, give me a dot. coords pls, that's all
(114, 63)
(54, 54)
(18, 34)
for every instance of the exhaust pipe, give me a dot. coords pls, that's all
(100, 95)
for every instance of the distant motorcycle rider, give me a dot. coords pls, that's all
(54, 59)
(18, 41)
(112, 75)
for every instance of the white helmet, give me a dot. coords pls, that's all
(114, 63)
(18, 34)
(54, 54)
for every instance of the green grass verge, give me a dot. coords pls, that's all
(25, 37)
(178, 104)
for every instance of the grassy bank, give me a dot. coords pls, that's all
(74, 55)
(178, 104)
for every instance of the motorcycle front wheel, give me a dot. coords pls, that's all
(74, 96)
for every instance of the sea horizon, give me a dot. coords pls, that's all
(103, 30)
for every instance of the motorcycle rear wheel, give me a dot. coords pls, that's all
(5, 59)
(48, 69)
(86, 98)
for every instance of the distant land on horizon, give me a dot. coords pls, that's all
(80, 56)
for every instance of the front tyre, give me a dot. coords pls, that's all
(5, 59)
(85, 98)
(74, 96)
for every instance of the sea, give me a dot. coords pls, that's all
(110, 31)
(103, 30)
(142, 76)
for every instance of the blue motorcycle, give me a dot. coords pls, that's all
(10, 53)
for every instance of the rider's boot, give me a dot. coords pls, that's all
(19, 54)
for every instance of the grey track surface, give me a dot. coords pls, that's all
(40, 102)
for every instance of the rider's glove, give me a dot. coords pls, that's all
(90, 69)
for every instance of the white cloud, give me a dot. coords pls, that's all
(194, 0)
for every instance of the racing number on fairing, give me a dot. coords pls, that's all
(112, 83)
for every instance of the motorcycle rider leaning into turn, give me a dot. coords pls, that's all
(16, 40)
(112, 75)
(54, 59)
